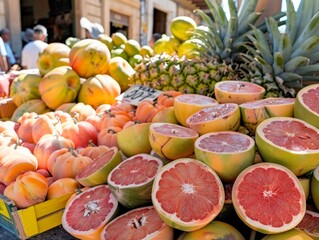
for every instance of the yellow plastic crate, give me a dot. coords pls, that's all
(31, 221)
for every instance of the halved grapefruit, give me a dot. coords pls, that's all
(97, 171)
(187, 194)
(171, 141)
(254, 112)
(310, 224)
(227, 152)
(290, 142)
(131, 181)
(269, 198)
(238, 92)
(187, 104)
(307, 107)
(214, 230)
(87, 213)
(221, 117)
(139, 223)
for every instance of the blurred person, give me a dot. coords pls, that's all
(6, 35)
(27, 36)
(3, 57)
(31, 51)
(154, 38)
(92, 30)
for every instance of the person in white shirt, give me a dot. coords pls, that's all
(3, 57)
(31, 51)
(5, 34)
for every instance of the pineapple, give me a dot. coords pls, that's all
(285, 62)
(222, 42)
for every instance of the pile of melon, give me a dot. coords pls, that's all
(178, 167)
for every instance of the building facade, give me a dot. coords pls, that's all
(137, 19)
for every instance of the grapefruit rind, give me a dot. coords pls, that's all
(293, 234)
(314, 187)
(134, 139)
(254, 112)
(169, 144)
(133, 195)
(172, 219)
(256, 224)
(227, 165)
(214, 230)
(221, 117)
(299, 162)
(95, 201)
(238, 91)
(187, 104)
(140, 221)
(302, 111)
(99, 176)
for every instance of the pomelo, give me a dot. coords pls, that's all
(227, 152)
(187, 104)
(290, 142)
(187, 194)
(86, 214)
(171, 141)
(254, 112)
(134, 139)
(221, 117)
(107, 40)
(307, 107)
(310, 224)
(293, 234)
(131, 181)
(314, 187)
(166, 115)
(214, 230)
(237, 92)
(305, 183)
(166, 44)
(269, 198)
(97, 171)
(119, 52)
(139, 223)
(132, 47)
(146, 51)
(182, 27)
(118, 39)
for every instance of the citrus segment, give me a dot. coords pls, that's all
(131, 181)
(228, 153)
(187, 194)
(307, 107)
(269, 198)
(86, 214)
(187, 104)
(221, 117)
(139, 223)
(290, 142)
(238, 92)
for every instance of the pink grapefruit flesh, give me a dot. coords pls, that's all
(187, 194)
(269, 198)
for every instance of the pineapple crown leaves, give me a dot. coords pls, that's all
(225, 37)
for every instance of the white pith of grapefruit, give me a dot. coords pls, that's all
(290, 142)
(269, 198)
(187, 194)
